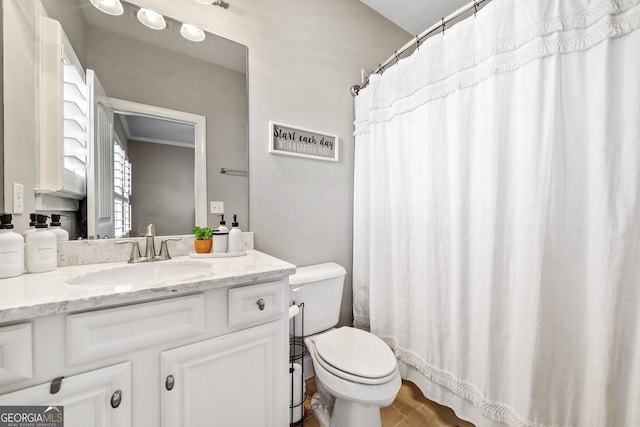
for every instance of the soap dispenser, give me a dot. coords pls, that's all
(11, 249)
(236, 243)
(56, 228)
(221, 237)
(223, 227)
(41, 249)
(32, 225)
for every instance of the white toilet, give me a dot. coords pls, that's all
(356, 372)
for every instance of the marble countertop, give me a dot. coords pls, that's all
(42, 294)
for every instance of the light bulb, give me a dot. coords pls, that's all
(151, 19)
(191, 32)
(110, 7)
(204, 1)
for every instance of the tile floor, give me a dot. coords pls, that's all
(410, 409)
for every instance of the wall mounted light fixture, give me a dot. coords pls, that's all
(151, 19)
(220, 3)
(155, 20)
(191, 32)
(110, 7)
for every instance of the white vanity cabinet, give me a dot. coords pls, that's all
(236, 379)
(215, 357)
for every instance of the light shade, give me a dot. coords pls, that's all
(151, 19)
(191, 32)
(110, 7)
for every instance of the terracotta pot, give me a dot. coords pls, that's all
(202, 246)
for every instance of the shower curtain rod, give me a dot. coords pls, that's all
(393, 59)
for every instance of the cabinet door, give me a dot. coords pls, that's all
(233, 380)
(86, 398)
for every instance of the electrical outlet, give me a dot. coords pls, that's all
(217, 207)
(18, 198)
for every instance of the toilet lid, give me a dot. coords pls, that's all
(356, 352)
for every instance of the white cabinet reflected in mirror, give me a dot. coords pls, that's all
(167, 95)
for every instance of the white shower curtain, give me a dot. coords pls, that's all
(497, 214)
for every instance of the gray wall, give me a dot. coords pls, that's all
(304, 55)
(19, 86)
(160, 77)
(163, 188)
(72, 20)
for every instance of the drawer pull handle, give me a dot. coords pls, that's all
(55, 385)
(170, 382)
(260, 303)
(116, 399)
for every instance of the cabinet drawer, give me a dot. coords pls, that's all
(256, 303)
(86, 398)
(99, 334)
(15, 353)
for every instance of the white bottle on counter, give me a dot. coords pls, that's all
(32, 226)
(56, 228)
(11, 249)
(221, 237)
(41, 248)
(236, 243)
(223, 225)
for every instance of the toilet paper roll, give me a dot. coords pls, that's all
(293, 311)
(297, 388)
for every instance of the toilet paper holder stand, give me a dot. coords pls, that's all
(297, 351)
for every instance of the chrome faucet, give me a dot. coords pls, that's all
(150, 249)
(150, 237)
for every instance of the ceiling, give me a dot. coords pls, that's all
(415, 16)
(159, 131)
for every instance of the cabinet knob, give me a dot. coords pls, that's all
(260, 303)
(170, 382)
(116, 399)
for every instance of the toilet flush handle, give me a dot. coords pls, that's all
(260, 303)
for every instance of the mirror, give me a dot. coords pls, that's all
(158, 69)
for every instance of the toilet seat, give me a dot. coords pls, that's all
(356, 355)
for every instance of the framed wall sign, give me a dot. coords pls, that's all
(294, 141)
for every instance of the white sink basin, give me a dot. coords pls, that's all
(159, 271)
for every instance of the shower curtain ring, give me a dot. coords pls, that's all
(443, 25)
(418, 42)
(396, 55)
(475, 8)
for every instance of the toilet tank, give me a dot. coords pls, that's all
(319, 287)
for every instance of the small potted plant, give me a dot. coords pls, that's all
(202, 243)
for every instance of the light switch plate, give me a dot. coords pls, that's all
(217, 207)
(18, 198)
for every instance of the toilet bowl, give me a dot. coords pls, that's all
(356, 375)
(356, 372)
